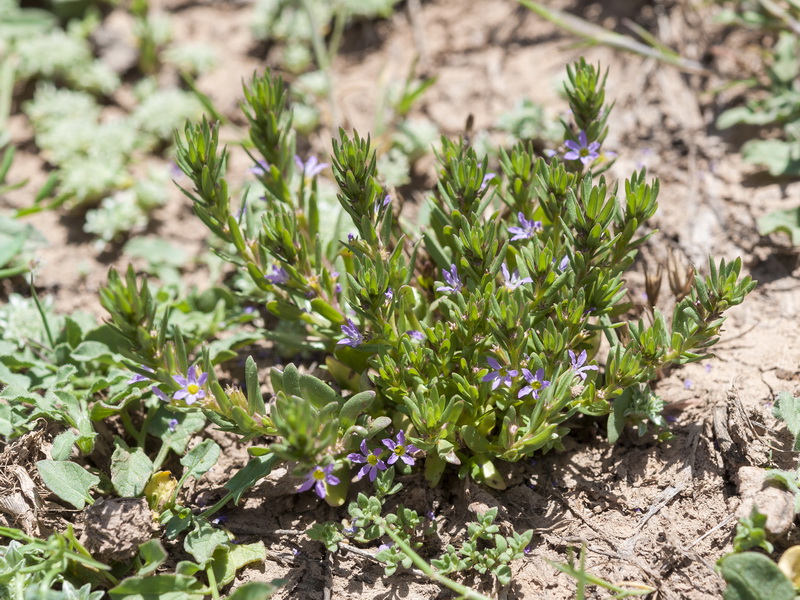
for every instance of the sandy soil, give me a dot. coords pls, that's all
(658, 514)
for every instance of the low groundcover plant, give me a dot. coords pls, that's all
(469, 339)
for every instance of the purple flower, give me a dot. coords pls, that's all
(389, 294)
(527, 230)
(386, 546)
(387, 200)
(562, 266)
(261, 168)
(536, 383)
(311, 168)
(371, 460)
(279, 275)
(354, 337)
(513, 280)
(578, 364)
(172, 424)
(486, 179)
(399, 449)
(159, 394)
(500, 374)
(452, 280)
(191, 387)
(317, 478)
(138, 378)
(415, 335)
(687, 384)
(582, 150)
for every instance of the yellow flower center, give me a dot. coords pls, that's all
(192, 388)
(372, 460)
(319, 474)
(399, 450)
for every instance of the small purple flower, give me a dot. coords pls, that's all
(191, 387)
(536, 383)
(371, 460)
(486, 179)
(387, 200)
(138, 377)
(220, 520)
(562, 266)
(500, 374)
(399, 449)
(527, 230)
(452, 280)
(311, 168)
(578, 364)
(338, 288)
(582, 150)
(687, 384)
(261, 168)
(351, 238)
(389, 295)
(278, 275)
(513, 280)
(386, 546)
(172, 424)
(159, 394)
(354, 337)
(415, 335)
(317, 478)
(708, 367)
(352, 530)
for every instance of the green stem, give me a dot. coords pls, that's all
(212, 582)
(128, 425)
(216, 507)
(422, 565)
(160, 457)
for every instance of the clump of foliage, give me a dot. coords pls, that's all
(96, 158)
(774, 101)
(466, 345)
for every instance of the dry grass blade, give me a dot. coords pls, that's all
(595, 34)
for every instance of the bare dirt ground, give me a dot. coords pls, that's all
(658, 514)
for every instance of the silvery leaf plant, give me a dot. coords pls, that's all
(466, 346)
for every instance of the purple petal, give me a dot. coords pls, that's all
(332, 480)
(497, 383)
(389, 443)
(493, 363)
(181, 380)
(572, 155)
(203, 379)
(582, 139)
(401, 437)
(373, 473)
(357, 458)
(392, 459)
(362, 471)
(407, 459)
(364, 450)
(180, 395)
(319, 489)
(572, 146)
(306, 485)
